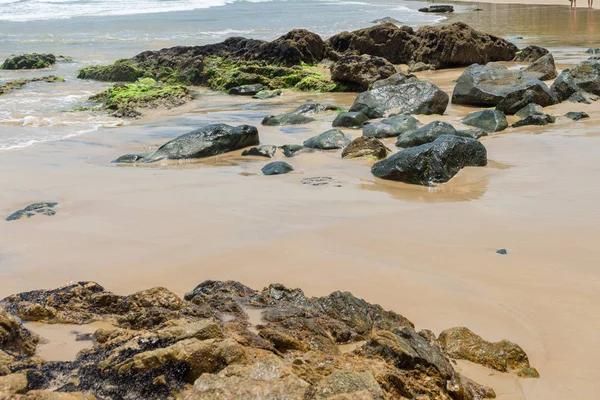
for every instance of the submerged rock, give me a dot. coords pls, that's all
(391, 127)
(488, 120)
(277, 168)
(365, 147)
(502, 356)
(267, 94)
(29, 61)
(329, 140)
(437, 9)
(33, 209)
(261, 151)
(593, 50)
(474, 133)
(576, 115)
(533, 114)
(434, 162)
(246, 90)
(530, 54)
(584, 77)
(360, 72)
(408, 98)
(425, 134)
(299, 116)
(19, 83)
(387, 20)
(292, 150)
(353, 120)
(543, 68)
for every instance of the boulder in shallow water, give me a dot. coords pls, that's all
(504, 356)
(437, 9)
(299, 116)
(29, 61)
(359, 72)
(329, 140)
(364, 146)
(584, 77)
(397, 79)
(267, 94)
(261, 151)
(488, 120)
(434, 162)
(391, 127)
(543, 68)
(353, 120)
(530, 54)
(246, 90)
(207, 141)
(277, 168)
(408, 98)
(474, 133)
(292, 150)
(593, 50)
(576, 115)
(43, 208)
(387, 20)
(425, 134)
(533, 114)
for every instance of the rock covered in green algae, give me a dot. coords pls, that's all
(19, 83)
(502, 356)
(33, 209)
(29, 61)
(120, 71)
(125, 100)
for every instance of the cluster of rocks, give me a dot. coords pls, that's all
(207, 346)
(29, 61)
(43, 208)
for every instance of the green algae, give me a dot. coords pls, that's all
(29, 61)
(19, 83)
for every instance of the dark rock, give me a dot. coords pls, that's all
(261, 151)
(365, 147)
(532, 114)
(502, 356)
(582, 97)
(576, 115)
(391, 127)
(488, 120)
(277, 168)
(530, 54)
(33, 209)
(594, 58)
(320, 181)
(419, 66)
(360, 72)
(593, 50)
(437, 9)
(502, 251)
(130, 158)
(267, 94)
(408, 98)
(583, 77)
(530, 109)
(349, 120)
(387, 20)
(329, 140)
(425, 134)
(294, 48)
(19, 83)
(292, 150)
(495, 85)
(117, 72)
(397, 79)
(246, 90)
(208, 141)
(298, 116)
(474, 133)
(29, 61)
(433, 162)
(543, 68)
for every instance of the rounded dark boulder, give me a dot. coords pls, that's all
(329, 140)
(391, 127)
(488, 120)
(29, 61)
(246, 90)
(425, 134)
(277, 168)
(353, 120)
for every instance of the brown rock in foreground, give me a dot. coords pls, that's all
(502, 356)
(207, 346)
(365, 146)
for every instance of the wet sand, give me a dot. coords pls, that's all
(427, 253)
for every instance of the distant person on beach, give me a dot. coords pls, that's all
(590, 3)
(574, 4)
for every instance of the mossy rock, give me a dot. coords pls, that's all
(29, 61)
(19, 83)
(118, 72)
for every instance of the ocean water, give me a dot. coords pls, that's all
(101, 31)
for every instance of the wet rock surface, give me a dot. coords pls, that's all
(277, 168)
(19, 83)
(301, 115)
(437, 9)
(292, 150)
(391, 127)
(533, 114)
(352, 120)
(530, 54)
(328, 140)
(44, 208)
(205, 346)
(365, 146)
(359, 72)
(29, 61)
(261, 151)
(543, 68)
(397, 79)
(246, 90)
(584, 77)
(488, 120)
(502, 356)
(434, 162)
(576, 115)
(425, 134)
(267, 94)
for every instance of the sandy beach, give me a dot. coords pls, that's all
(428, 253)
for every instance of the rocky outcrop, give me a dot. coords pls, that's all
(530, 54)
(584, 77)
(29, 61)
(543, 68)
(408, 98)
(329, 140)
(425, 134)
(504, 356)
(391, 127)
(437, 9)
(495, 85)
(368, 147)
(301, 115)
(19, 83)
(43, 208)
(359, 72)
(533, 114)
(277, 168)
(261, 151)
(246, 90)
(352, 120)
(488, 120)
(14, 338)
(208, 141)
(434, 162)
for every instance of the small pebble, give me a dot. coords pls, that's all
(502, 251)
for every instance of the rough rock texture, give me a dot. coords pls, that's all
(353, 120)
(488, 120)
(408, 98)
(261, 151)
(530, 54)
(361, 71)
(434, 162)
(437, 9)
(396, 79)
(425, 134)
(292, 150)
(576, 115)
(365, 147)
(503, 356)
(495, 85)
(246, 90)
(386, 20)
(14, 338)
(29, 61)
(301, 115)
(391, 127)
(329, 140)
(277, 168)
(207, 141)
(44, 208)
(584, 77)
(543, 68)
(267, 94)
(533, 114)
(474, 133)
(19, 83)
